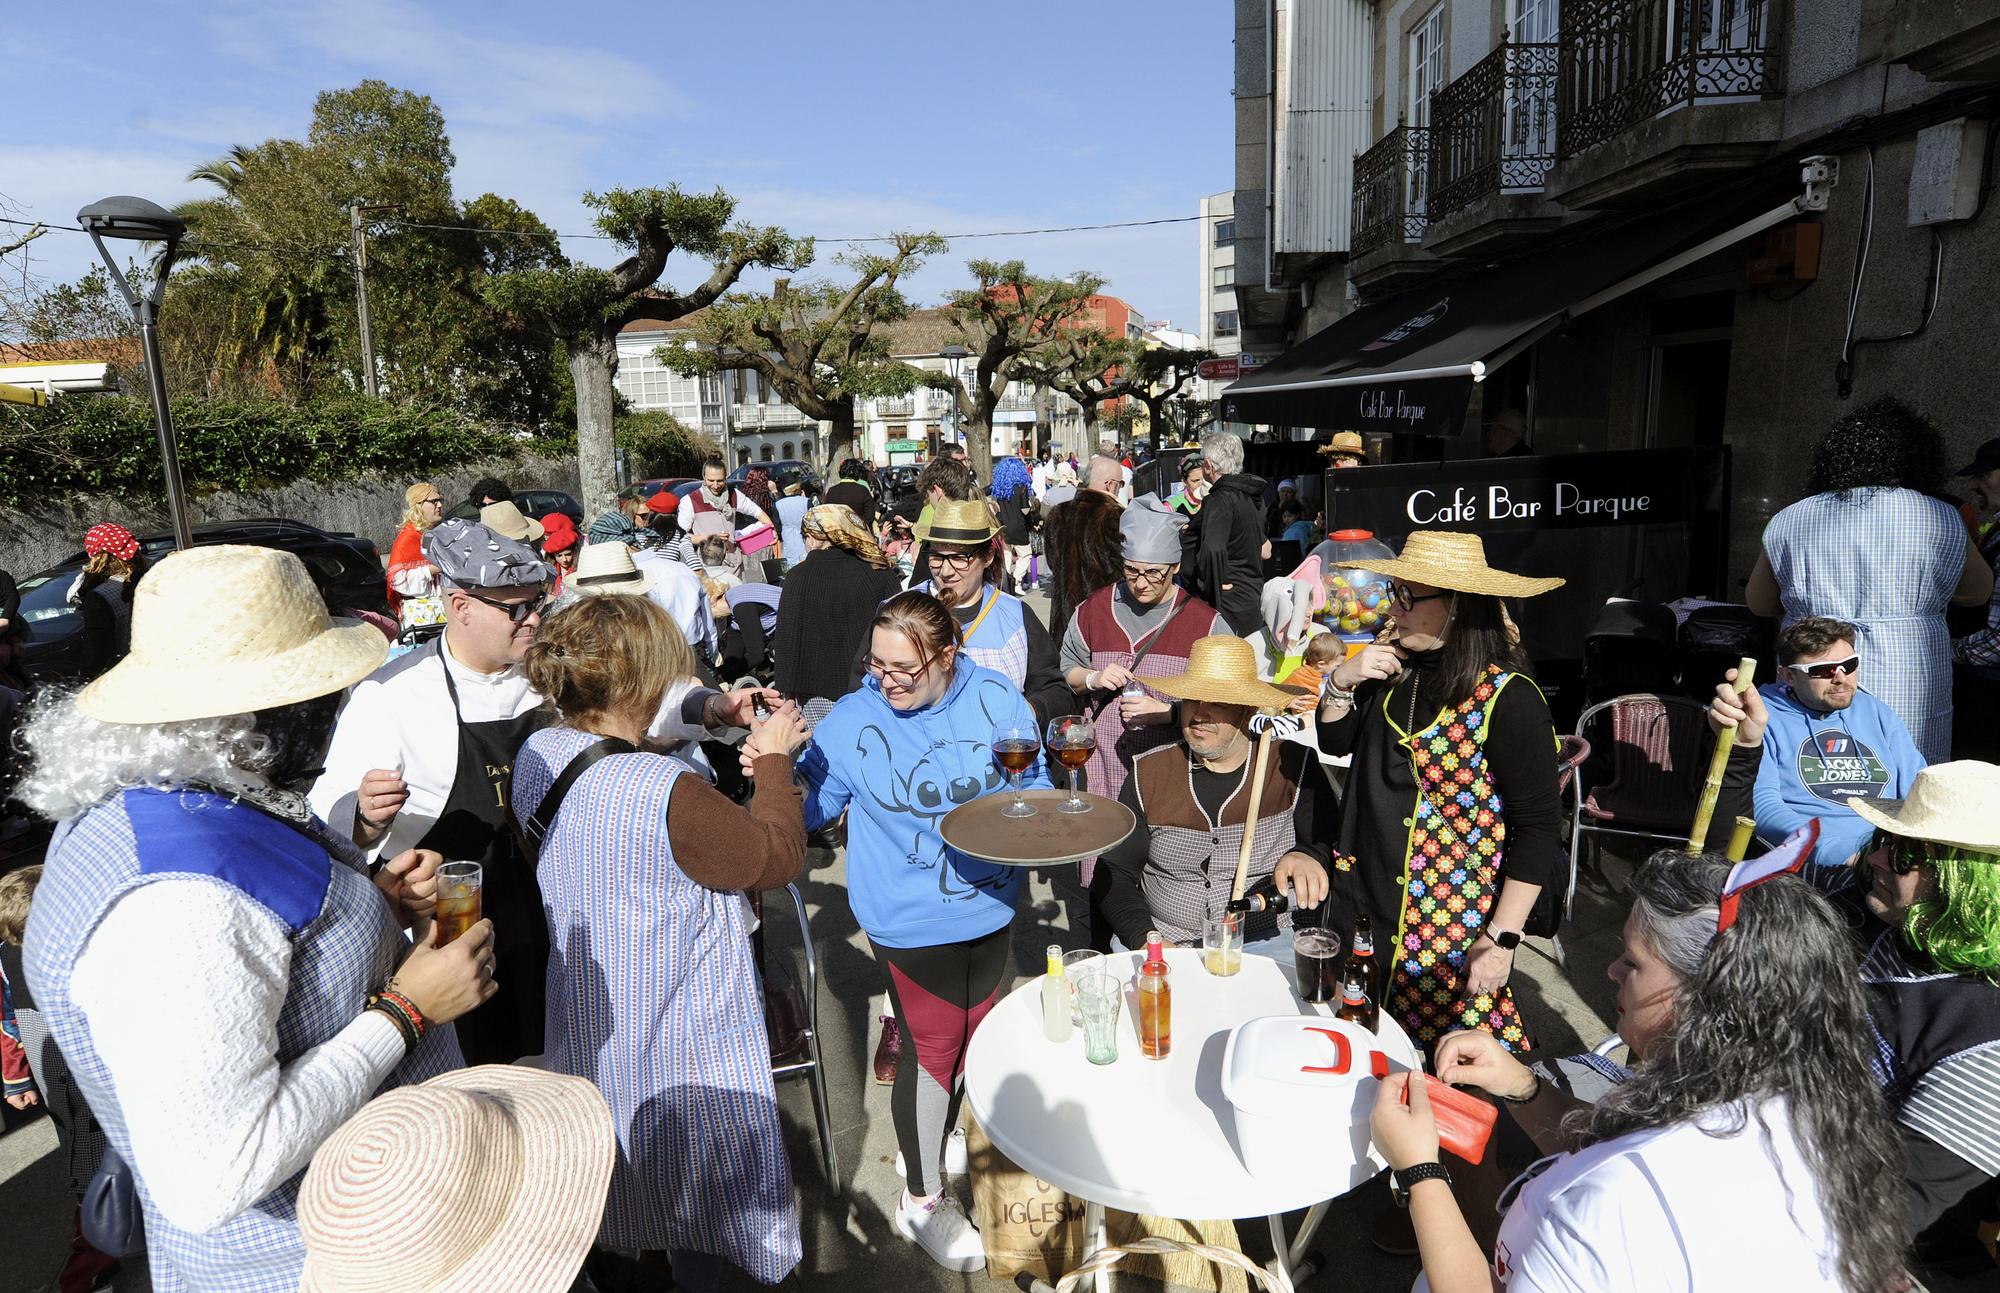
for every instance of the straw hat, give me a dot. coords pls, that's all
(506, 519)
(1447, 559)
(1347, 442)
(1949, 803)
(1223, 669)
(607, 568)
(970, 522)
(229, 629)
(484, 1178)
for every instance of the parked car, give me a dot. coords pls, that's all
(346, 568)
(781, 471)
(537, 503)
(674, 483)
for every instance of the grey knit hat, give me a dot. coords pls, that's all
(470, 555)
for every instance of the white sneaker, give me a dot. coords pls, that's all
(943, 1231)
(955, 1155)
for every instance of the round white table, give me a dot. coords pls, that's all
(1158, 1137)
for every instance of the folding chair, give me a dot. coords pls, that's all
(1652, 745)
(792, 1019)
(1571, 751)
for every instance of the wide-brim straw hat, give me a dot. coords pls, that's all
(507, 519)
(952, 521)
(1448, 559)
(603, 568)
(483, 1178)
(1222, 669)
(1347, 442)
(229, 629)
(1949, 803)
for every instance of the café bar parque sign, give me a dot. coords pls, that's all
(1492, 495)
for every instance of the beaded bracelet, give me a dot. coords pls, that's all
(403, 1013)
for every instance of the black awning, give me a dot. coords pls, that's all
(1409, 363)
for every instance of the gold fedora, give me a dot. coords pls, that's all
(969, 522)
(1222, 669)
(1448, 559)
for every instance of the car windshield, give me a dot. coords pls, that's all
(45, 601)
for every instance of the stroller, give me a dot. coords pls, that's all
(1631, 648)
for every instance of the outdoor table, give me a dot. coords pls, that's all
(1157, 1137)
(978, 829)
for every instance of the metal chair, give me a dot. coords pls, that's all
(1608, 1047)
(1571, 751)
(1653, 744)
(792, 1019)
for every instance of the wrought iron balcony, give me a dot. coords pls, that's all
(1391, 181)
(1624, 62)
(1493, 130)
(895, 406)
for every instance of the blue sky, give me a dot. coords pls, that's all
(835, 119)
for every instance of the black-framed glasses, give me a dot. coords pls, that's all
(1826, 669)
(1407, 600)
(956, 560)
(1148, 574)
(904, 678)
(426, 502)
(515, 611)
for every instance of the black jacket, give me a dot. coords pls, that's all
(1232, 551)
(829, 600)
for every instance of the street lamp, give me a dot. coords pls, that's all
(954, 355)
(138, 220)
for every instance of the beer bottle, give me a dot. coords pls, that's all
(1361, 953)
(1356, 1006)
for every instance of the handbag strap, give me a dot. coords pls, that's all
(544, 817)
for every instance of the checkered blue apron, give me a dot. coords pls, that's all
(653, 994)
(345, 941)
(1886, 561)
(1000, 642)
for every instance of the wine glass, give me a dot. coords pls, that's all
(1014, 748)
(1071, 740)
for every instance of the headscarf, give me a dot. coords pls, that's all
(1009, 474)
(470, 555)
(837, 524)
(757, 488)
(1151, 531)
(108, 536)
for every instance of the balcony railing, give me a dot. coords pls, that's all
(1624, 62)
(895, 406)
(1493, 130)
(1389, 190)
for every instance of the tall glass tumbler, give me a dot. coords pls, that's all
(1099, 994)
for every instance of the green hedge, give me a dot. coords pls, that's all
(106, 444)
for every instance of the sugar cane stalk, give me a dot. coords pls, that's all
(1704, 810)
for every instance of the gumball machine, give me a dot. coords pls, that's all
(1358, 602)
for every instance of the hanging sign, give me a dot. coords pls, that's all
(1497, 495)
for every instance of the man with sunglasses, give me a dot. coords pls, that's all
(1827, 742)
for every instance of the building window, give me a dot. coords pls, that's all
(1426, 65)
(1225, 232)
(1225, 323)
(742, 457)
(764, 453)
(786, 450)
(1225, 276)
(1535, 21)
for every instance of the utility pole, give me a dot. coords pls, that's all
(355, 220)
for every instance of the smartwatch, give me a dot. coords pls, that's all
(1402, 1180)
(1508, 939)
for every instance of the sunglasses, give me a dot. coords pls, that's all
(1407, 600)
(1905, 854)
(518, 612)
(426, 502)
(1826, 669)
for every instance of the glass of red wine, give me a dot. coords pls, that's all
(1014, 748)
(1071, 739)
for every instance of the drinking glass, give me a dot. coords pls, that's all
(1317, 953)
(1014, 748)
(1071, 739)
(458, 898)
(1099, 994)
(1222, 944)
(1080, 962)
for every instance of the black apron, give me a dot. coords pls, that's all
(476, 826)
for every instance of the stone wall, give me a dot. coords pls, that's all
(32, 538)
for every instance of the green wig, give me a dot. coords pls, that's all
(1958, 928)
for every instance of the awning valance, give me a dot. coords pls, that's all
(1409, 363)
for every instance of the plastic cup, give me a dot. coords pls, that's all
(1222, 944)
(1075, 965)
(458, 900)
(1098, 997)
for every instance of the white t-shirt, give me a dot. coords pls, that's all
(676, 588)
(1670, 1211)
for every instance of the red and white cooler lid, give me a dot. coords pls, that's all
(1278, 1066)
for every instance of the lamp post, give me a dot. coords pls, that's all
(954, 355)
(138, 220)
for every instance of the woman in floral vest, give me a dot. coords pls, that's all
(1449, 830)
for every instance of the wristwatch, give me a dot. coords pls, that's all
(1509, 939)
(1402, 1179)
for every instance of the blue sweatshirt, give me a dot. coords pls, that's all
(1814, 763)
(898, 773)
